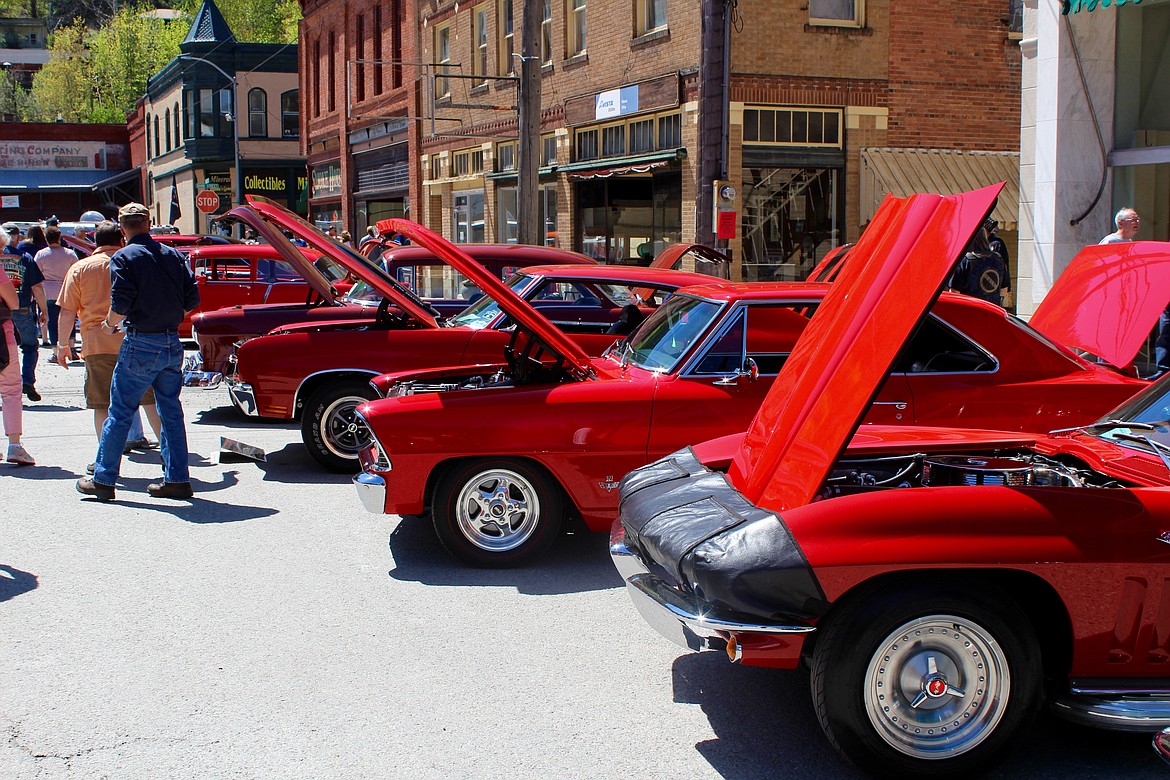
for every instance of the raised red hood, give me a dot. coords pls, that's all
(1108, 299)
(519, 309)
(275, 218)
(894, 273)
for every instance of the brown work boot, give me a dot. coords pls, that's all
(99, 491)
(170, 490)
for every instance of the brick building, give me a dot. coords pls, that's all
(359, 113)
(834, 104)
(52, 168)
(829, 104)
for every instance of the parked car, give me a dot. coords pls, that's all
(940, 583)
(698, 368)
(320, 372)
(217, 332)
(244, 274)
(184, 242)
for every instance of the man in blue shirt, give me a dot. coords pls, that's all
(29, 281)
(151, 289)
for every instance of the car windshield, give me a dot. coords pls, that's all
(361, 292)
(669, 332)
(1146, 414)
(484, 310)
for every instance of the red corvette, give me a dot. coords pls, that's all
(940, 583)
(699, 368)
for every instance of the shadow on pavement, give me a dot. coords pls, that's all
(38, 472)
(576, 563)
(766, 726)
(14, 582)
(292, 464)
(229, 417)
(763, 720)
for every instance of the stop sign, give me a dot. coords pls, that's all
(207, 201)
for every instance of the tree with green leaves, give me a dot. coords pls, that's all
(99, 75)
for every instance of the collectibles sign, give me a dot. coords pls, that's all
(52, 155)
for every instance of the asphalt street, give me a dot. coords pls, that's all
(271, 628)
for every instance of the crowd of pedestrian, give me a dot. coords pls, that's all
(130, 295)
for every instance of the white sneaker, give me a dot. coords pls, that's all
(19, 455)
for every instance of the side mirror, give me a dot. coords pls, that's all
(749, 370)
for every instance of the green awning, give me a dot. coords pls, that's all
(1076, 6)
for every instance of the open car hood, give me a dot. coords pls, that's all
(1127, 287)
(532, 321)
(894, 274)
(270, 219)
(670, 256)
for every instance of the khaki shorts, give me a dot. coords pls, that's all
(99, 373)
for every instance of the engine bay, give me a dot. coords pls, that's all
(1015, 468)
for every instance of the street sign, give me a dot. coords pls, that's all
(207, 201)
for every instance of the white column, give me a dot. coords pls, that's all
(1061, 161)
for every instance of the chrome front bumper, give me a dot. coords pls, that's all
(371, 489)
(679, 616)
(195, 376)
(243, 397)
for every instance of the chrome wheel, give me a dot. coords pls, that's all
(937, 687)
(343, 433)
(497, 510)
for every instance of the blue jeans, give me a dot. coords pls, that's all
(145, 360)
(26, 328)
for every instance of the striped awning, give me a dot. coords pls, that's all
(903, 172)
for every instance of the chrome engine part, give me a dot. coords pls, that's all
(940, 471)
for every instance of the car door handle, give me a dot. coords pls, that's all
(899, 405)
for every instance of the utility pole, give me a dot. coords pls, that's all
(528, 121)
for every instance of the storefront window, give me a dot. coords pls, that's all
(790, 220)
(629, 219)
(1141, 172)
(508, 211)
(469, 228)
(508, 219)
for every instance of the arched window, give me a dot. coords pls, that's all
(257, 113)
(178, 127)
(147, 134)
(157, 148)
(167, 130)
(290, 114)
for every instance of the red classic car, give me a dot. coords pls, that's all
(698, 368)
(940, 583)
(218, 331)
(320, 372)
(246, 274)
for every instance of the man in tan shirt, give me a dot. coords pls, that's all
(85, 293)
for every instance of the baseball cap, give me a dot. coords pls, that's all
(11, 227)
(133, 210)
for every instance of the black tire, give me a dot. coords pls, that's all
(329, 427)
(927, 682)
(497, 513)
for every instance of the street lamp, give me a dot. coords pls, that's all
(238, 187)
